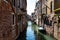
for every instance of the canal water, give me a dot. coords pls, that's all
(31, 33)
(28, 34)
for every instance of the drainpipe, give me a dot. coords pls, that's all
(16, 16)
(41, 12)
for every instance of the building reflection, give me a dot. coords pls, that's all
(22, 36)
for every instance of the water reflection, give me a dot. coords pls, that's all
(31, 33)
(22, 36)
(28, 34)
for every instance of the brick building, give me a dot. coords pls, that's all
(52, 13)
(38, 12)
(49, 16)
(47, 7)
(49, 13)
(12, 18)
(57, 21)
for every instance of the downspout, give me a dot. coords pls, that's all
(41, 12)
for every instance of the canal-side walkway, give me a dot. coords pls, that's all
(42, 36)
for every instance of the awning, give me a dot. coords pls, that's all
(57, 9)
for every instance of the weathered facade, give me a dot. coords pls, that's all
(12, 18)
(57, 19)
(33, 17)
(43, 12)
(38, 12)
(50, 17)
(49, 14)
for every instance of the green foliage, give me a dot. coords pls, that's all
(56, 15)
(34, 25)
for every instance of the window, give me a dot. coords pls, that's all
(19, 4)
(59, 19)
(51, 7)
(50, 23)
(46, 0)
(13, 19)
(6, 0)
(19, 18)
(46, 9)
(13, 2)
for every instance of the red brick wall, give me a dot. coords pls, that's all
(7, 31)
(6, 22)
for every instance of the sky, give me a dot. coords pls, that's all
(31, 6)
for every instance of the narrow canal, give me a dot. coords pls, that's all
(31, 33)
(28, 34)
